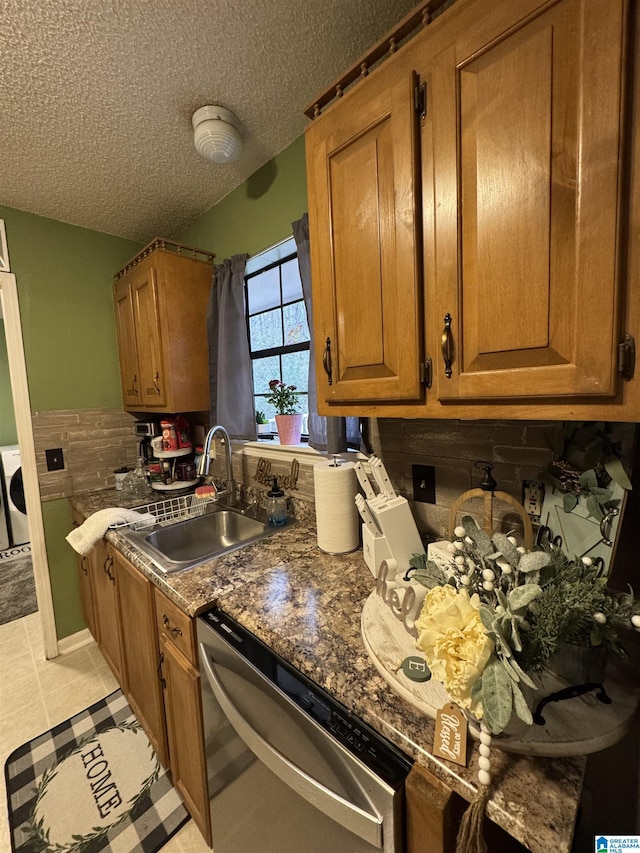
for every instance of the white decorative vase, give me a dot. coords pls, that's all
(289, 428)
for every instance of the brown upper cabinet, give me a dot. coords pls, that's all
(472, 206)
(363, 193)
(161, 307)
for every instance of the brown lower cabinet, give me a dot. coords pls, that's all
(183, 709)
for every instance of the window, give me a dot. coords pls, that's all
(277, 324)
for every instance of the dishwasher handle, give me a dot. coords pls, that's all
(365, 826)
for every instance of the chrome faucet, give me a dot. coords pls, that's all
(203, 468)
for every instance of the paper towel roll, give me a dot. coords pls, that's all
(335, 489)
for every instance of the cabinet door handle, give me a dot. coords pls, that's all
(159, 670)
(83, 565)
(107, 567)
(326, 361)
(177, 632)
(134, 384)
(446, 344)
(156, 382)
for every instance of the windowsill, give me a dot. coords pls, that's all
(273, 449)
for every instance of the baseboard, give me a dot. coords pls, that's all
(74, 641)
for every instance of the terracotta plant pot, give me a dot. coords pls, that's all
(289, 428)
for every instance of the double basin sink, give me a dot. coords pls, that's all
(182, 544)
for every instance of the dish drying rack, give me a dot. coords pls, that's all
(168, 511)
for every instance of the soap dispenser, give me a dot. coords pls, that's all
(276, 505)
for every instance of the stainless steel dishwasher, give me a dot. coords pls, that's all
(290, 769)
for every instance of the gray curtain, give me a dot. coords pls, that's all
(230, 373)
(330, 435)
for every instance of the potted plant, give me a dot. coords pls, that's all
(262, 423)
(285, 401)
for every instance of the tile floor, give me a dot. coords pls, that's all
(36, 694)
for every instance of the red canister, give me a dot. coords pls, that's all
(169, 435)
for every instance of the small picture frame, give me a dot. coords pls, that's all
(4, 251)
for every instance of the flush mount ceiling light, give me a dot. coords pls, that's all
(215, 134)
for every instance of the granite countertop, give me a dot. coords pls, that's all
(307, 605)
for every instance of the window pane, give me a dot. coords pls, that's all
(263, 291)
(295, 369)
(291, 284)
(296, 330)
(265, 330)
(267, 408)
(264, 370)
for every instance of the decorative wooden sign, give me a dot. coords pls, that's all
(450, 739)
(265, 476)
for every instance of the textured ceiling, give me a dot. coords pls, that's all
(96, 98)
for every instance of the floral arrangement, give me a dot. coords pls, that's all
(283, 397)
(497, 613)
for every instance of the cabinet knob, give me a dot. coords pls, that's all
(326, 360)
(447, 346)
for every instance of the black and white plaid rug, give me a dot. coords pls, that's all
(92, 783)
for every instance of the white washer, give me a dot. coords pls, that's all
(16, 510)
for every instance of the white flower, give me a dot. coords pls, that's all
(452, 637)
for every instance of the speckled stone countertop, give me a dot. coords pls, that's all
(306, 605)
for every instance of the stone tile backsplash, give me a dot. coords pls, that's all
(517, 450)
(94, 442)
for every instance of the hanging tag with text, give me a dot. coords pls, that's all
(450, 740)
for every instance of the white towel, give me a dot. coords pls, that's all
(83, 538)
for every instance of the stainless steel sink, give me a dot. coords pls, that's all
(181, 545)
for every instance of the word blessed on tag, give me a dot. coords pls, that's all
(287, 481)
(451, 734)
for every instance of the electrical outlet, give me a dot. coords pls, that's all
(55, 459)
(533, 498)
(424, 483)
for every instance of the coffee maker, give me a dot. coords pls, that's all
(146, 430)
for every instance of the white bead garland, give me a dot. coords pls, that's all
(484, 762)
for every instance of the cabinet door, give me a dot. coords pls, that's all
(141, 656)
(127, 345)
(526, 121)
(366, 276)
(144, 290)
(106, 608)
(186, 743)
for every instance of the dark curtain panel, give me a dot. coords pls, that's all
(230, 373)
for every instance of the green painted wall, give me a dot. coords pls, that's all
(8, 433)
(258, 213)
(64, 277)
(63, 568)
